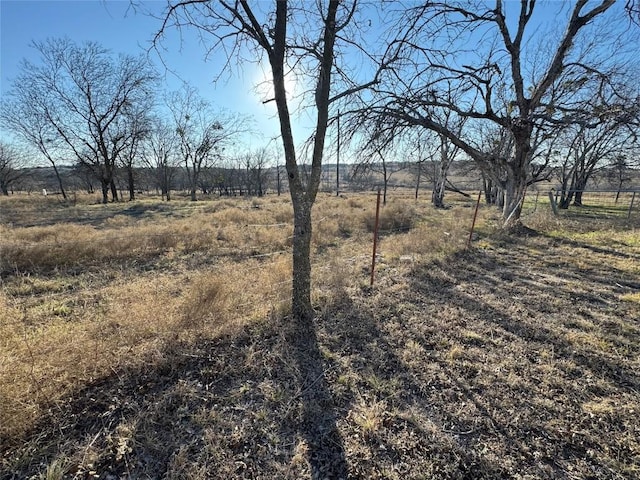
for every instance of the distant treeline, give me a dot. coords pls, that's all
(464, 176)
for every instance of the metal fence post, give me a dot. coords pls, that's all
(375, 237)
(475, 215)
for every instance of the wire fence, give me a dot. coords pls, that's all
(600, 204)
(252, 259)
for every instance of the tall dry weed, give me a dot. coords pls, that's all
(205, 302)
(394, 217)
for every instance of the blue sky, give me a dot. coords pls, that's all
(115, 25)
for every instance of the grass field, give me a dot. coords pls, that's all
(153, 340)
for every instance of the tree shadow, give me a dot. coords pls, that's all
(507, 280)
(438, 355)
(592, 248)
(499, 294)
(415, 437)
(248, 404)
(326, 452)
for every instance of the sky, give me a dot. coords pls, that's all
(116, 26)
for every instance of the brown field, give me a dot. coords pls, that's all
(153, 340)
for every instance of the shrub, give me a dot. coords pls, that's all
(395, 217)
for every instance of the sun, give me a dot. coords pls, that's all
(263, 84)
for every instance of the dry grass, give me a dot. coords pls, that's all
(394, 217)
(176, 358)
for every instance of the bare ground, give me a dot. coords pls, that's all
(516, 359)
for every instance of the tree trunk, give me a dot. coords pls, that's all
(439, 184)
(55, 169)
(166, 191)
(193, 187)
(579, 187)
(105, 191)
(302, 196)
(437, 196)
(566, 193)
(517, 171)
(386, 182)
(130, 180)
(278, 178)
(565, 199)
(487, 185)
(301, 294)
(577, 199)
(164, 183)
(513, 198)
(418, 179)
(114, 191)
(192, 174)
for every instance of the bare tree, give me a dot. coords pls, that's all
(619, 173)
(385, 132)
(80, 96)
(447, 154)
(256, 171)
(159, 152)
(374, 163)
(22, 114)
(596, 140)
(505, 81)
(83, 177)
(202, 134)
(499, 142)
(12, 167)
(586, 151)
(300, 38)
(139, 127)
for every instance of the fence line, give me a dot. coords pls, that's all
(597, 203)
(534, 201)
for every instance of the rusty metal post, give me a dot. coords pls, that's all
(375, 237)
(475, 215)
